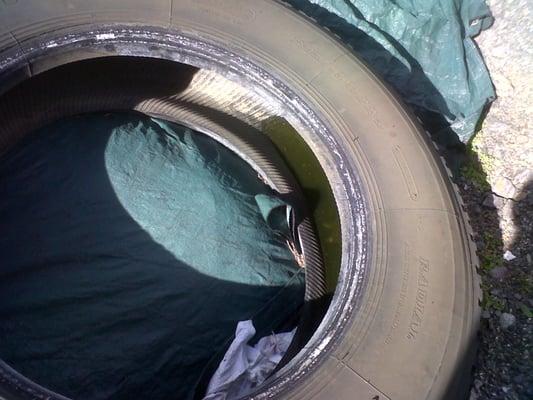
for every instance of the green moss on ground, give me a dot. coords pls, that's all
(477, 165)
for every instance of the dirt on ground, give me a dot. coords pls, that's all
(496, 182)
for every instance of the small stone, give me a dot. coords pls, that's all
(515, 188)
(508, 256)
(503, 187)
(499, 202)
(498, 272)
(493, 201)
(528, 259)
(488, 201)
(507, 320)
(517, 296)
(485, 314)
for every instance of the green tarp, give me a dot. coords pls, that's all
(131, 247)
(424, 49)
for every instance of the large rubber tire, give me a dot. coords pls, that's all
(414, 325)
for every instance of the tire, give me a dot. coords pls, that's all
(403, 320)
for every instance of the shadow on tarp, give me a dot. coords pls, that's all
(91, 306)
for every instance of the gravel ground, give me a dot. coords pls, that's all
(497, 186)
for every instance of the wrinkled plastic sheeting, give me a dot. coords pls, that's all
(424, 49)
(131, 248)
(244, 367)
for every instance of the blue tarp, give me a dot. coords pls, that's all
(424, 49)
(131, 247)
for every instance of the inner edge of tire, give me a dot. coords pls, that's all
(18, 63)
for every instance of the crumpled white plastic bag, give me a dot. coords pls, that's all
(244, 366)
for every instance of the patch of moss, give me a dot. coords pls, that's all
(525, 284)
(491, 302)
(526, 310)
(486, 161)
(490, 254)
(476, 166)
(472, 173)
(490, 257)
